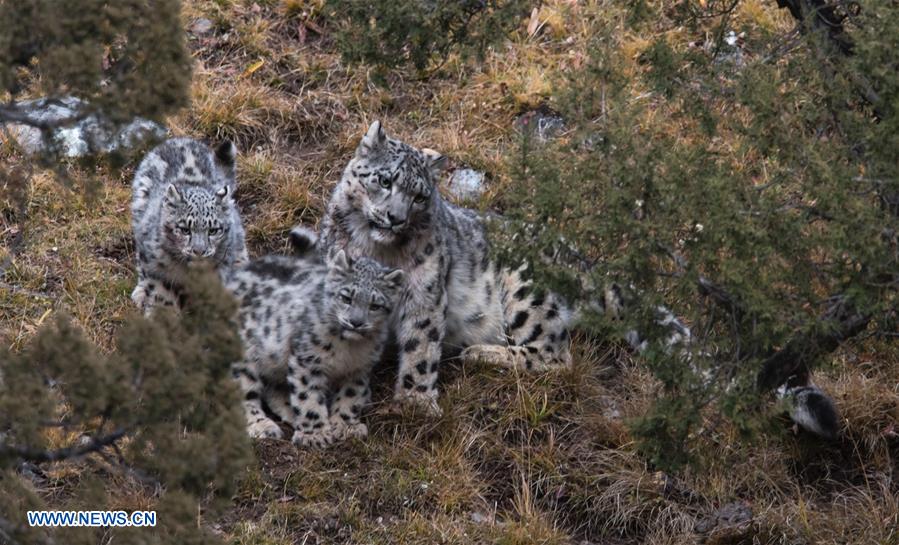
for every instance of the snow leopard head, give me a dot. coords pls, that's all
(361, 295)
(389, 188)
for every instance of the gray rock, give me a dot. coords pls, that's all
(466, 183)
(730, 53)
(200, 26)
(729, 516)
(92, 134)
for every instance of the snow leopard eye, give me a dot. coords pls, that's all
(385, 182)
(345, 297)
(420, 199)
(376, 307)
(183, 230)
(215, 231)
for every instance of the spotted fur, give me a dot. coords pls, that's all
(810, 408)
(183, 211)
(387, 206)
(304, 242)
(316, 331)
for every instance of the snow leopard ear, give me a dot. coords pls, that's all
(340, 262)
(226, 153)
(223, 193)
(173, 196)
(373, 141)
(395, 278)
(303, 241)
(437, 162)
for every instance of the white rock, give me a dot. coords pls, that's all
(93, 133)
(466, 183)
(543, 124)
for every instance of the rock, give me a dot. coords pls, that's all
(92, 134)
(33, 473)
(200, 26)
(610, 408)
(466, 183)
(734, 513)
(728, 522)
(543, 124)
(592, 141)
(478, 517)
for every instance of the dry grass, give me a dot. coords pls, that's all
(517, 458)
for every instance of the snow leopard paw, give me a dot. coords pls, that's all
(264, 428)
(319, 438)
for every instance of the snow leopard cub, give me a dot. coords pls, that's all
(182, 211)
(314, 331)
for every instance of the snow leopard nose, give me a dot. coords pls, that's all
(357, 323)
(198, 248)
(394, 220)
(356, 318)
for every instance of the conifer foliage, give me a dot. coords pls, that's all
(126, 58)
(161, 409)
(422, 34)
(745, 179)
(159, 414)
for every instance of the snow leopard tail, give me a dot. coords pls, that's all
(303, 242)
(809, 406)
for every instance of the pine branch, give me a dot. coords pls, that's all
(821, 16)
(7, 529)
(841, 322)
(721, 297)
(39, 456)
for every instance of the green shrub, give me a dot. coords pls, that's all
(420, 33)
(749, 195)
(158, 419)
(161, 410)
(127, 58)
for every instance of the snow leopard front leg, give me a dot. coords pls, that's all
(420, 332)
(150, 294)
(259, 425)
(346, 408)
(308, 401)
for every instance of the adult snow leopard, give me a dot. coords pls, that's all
(315, 330)
(182, 210)
(386, 206)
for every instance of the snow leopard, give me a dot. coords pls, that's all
(316, 331)
(457, 297)
(182, 211)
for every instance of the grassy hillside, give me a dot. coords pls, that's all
(516, 458)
